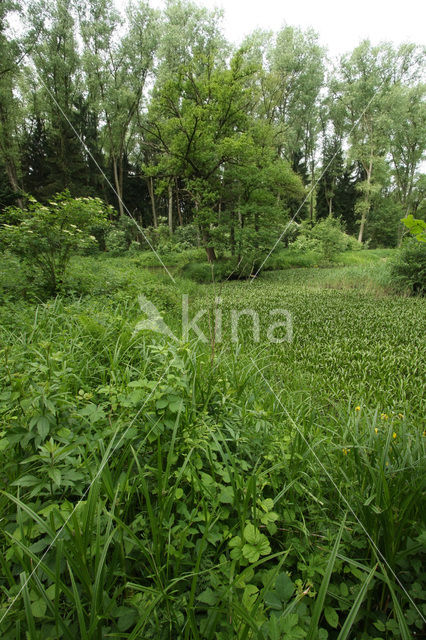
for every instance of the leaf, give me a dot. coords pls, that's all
(226, 495)
(253, 552)
(273, 601)
(26, 481)
(43, 426)
(249, 596)
(284, 587)
(126, 618)
(208, 597)
(251, 534)
(331, 616)
(176, 406)
(55, 475)
(256, 543)
(38, 608)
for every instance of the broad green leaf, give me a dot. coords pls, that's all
(331, 616)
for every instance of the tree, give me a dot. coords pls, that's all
(297, 75)
(117, 68)
(56, 93)
(407, 109)
(365, 81)
(10, 56)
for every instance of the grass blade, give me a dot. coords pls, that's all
(319, 603)
(347, 626)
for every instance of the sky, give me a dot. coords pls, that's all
(341, 25)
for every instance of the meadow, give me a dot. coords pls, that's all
(170, 489)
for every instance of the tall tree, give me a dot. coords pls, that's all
(10, 57)
(363, 85)
(59, 85)
(118, 58)
(407, 108)
(297, 64)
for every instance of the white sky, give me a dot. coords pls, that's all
(341, 24)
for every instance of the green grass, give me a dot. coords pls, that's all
(231, 484)
(291, 258)
(365, 278)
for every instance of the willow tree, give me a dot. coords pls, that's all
(58, 87)
(297, 67)
(366, 79)
(118, 58)
(407, 109)
(10, 57)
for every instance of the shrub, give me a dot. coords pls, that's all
(204, 272)
(330, 237)
(305, 243)
(416, 227)
(44, 237)
(185, 237)
(134, 248)
(326, 238)
(408, 270)
(352, 243)
(200, 272)
(116, 242)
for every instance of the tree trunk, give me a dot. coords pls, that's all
(13, 179)
(170, 208)
(211, 255)
(118, 187)
(312, 198)
(152, 196)
(232, 237)
(367, 201)
(179, 212)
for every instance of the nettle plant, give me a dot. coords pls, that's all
(44, 237)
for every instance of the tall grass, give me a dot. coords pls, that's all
(208, 514)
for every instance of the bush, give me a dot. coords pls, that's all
(352, 243)
(134, 248)
(116, 242)
(330, 237)
(44, 237)
(408, 270)
(200, 272)
(185, 237)
(204, 272)
(326, 238)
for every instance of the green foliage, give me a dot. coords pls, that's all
(417, 228)
(201, 520)
(326, 238)
(116, 242)
(44, 237)
(409, 267)
(185, 237)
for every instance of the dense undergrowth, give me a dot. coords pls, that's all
(169, 489)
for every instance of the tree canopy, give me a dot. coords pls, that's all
(157, 114)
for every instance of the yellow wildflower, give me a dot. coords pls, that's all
(376, 430)
(358, 408)
(400, 416)
(394, 435)
(384, 416)
(345, 451)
